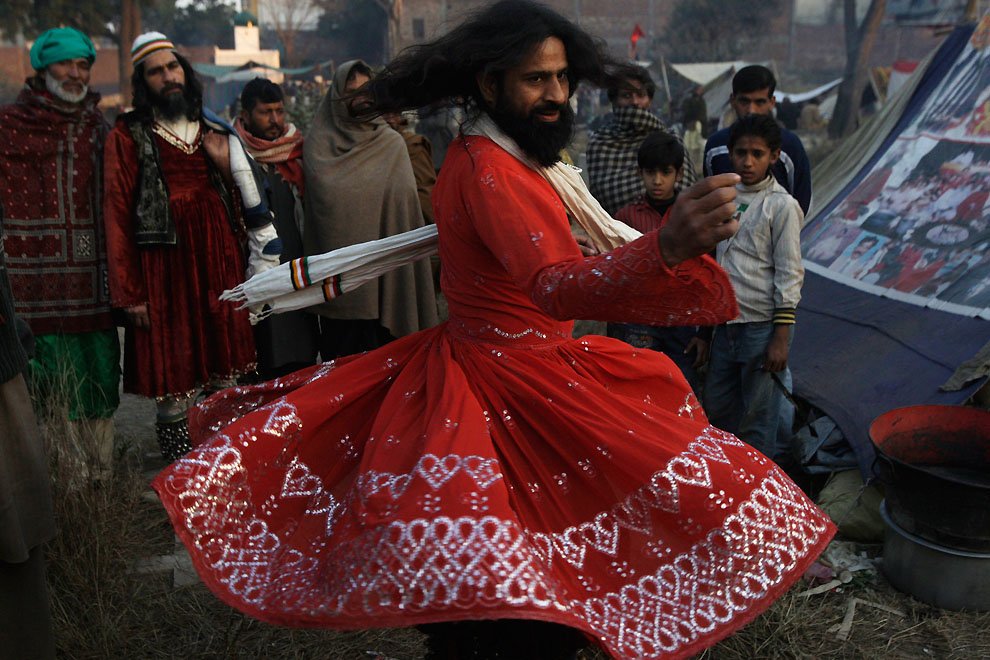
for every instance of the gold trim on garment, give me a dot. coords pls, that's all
(177, 142)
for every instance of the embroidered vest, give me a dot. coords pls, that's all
(153, 225)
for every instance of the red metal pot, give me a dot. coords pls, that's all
(934, 463)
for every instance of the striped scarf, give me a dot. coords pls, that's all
(612, 166)
(285, 153)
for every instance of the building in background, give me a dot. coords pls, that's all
(247, 50)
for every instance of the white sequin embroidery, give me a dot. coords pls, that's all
(445, 563)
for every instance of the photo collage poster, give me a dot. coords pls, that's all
(916, 228)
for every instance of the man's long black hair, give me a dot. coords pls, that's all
(493, 41)
(193, 92)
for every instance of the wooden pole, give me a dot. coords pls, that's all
(130, 28)
(972, 11)
(666, 85)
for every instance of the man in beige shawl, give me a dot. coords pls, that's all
(360, 187)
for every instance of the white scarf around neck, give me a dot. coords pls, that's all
(605, 232)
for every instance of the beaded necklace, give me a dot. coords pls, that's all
(186, 146)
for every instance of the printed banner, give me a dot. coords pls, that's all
(917, 226)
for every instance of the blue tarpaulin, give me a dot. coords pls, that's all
(897, 292)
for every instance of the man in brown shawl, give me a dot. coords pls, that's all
(360, 187)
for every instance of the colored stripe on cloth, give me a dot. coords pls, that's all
(331, 288)
(300, 273)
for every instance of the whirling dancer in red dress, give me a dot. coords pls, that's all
(494, 468)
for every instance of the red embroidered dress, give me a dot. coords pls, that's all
(493, 467)
(194, 338)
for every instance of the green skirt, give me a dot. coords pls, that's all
(80, 371)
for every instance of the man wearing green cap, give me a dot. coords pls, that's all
(51, 150)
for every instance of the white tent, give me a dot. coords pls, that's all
(716, 78)
(801, 97)
(704, 73)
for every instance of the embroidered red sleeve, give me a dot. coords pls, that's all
(524, 224)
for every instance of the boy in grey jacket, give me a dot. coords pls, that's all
(763, 261)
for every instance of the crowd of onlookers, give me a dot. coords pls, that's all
(636, 168)
(105, 214)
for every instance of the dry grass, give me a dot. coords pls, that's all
(804, 627)
(102, 609)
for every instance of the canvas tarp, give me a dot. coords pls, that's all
(900, 71)
(896, 250)
(716, 78)
(835, 173)
(703, 73)
(230, 73)
(801, 97)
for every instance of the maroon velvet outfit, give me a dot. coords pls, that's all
(194, 338)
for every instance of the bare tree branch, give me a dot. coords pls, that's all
(288, 18)
(859, 44)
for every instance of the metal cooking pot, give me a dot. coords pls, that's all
(934, 462)
(943, 577)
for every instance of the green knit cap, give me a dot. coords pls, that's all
(59, 44)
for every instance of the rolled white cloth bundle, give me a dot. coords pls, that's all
(313, 280)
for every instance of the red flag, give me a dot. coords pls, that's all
(637, 34)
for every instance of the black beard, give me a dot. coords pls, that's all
(260, 133)
(541, 140)
(171, 106)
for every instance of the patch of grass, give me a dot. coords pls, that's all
(102, 608)
(804, 627)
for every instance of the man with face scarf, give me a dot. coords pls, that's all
(50, 184)
(360, 187)
(612, 170)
